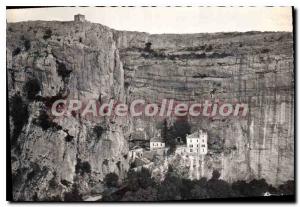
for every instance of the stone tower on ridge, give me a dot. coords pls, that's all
(79, 18)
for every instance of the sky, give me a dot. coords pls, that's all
(158, 20)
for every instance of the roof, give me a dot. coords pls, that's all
(156, 139)
(138, 135)
(196, 135)
(136, 147)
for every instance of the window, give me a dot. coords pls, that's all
(203, 140)
(203, 145)
(197, 140)
(191, 150)
(191, 145)
(197, 145)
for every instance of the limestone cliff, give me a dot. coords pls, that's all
(51, 60)
(73, 61)
(253, 67)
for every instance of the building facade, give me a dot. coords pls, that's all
(156, 144)
(136, 152)
(196, 143)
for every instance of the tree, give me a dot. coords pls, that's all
(253, 188)
(170, 188)
(74, 195)
(215, 175)
(196, 189)
(139, 179)
(148, 47)
(32, 88)
(288, 188)
(185, 188)
(180, 128)
(199, 192)
(111, 180)
(148, 194)
(217, 188)
(19, 114)
(258, 187)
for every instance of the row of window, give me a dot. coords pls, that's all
(198, 140)
(203, 145)
(157, 144)
(202, 150)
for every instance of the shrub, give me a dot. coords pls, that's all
(219, 55)
(253, 188)
(82, 167)
(118, 165)
(27, 44)
(37, 173)
(148, 194)
(53, 183)
(98, 130)
(62, 70)
(111, 180)
(265, 50)
(287, 188)
(74, 195)
(170, 188)
(32, 88)
(65, 183)
(47, 34)
(16, 51)
(208, 48)
(215, 175)
(69, 138)
(139, 179)
(19, 114)
(148, 46)
(45, 122)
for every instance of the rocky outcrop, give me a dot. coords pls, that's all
(51, 60)
(72, 61)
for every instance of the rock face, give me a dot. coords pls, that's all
(82, 60)
(254, 68)
(73, 61)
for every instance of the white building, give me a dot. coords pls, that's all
(196, 143)
(157, 143)
(181, 150)
(136, 152)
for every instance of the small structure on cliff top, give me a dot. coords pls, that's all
(79, 18)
